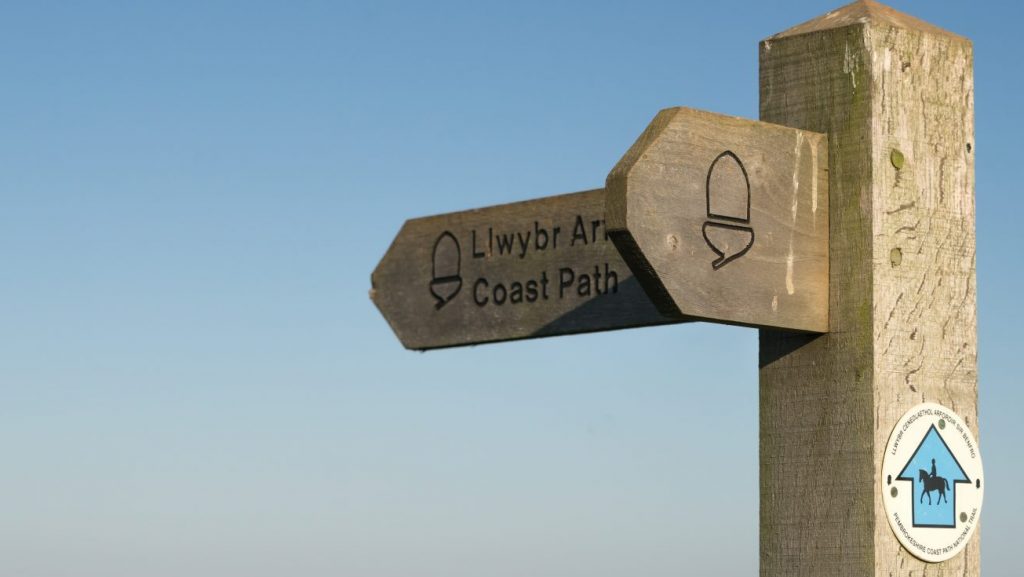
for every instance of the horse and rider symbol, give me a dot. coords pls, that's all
(932, 482)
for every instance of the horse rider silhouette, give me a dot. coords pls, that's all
(933, 482)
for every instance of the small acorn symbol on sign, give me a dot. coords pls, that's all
(447, 260)
(727, 231)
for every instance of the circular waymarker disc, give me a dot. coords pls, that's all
(932, 482)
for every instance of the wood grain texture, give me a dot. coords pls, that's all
(726, 219)
(537, 268)
(895, 97)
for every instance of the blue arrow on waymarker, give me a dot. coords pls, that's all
(934, 496)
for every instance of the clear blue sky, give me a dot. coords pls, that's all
(193, 380)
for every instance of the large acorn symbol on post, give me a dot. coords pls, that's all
(727, 230)
(445, 281)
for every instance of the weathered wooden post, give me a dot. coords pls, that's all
(895, 96)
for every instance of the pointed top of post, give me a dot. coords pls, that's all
(864, 12)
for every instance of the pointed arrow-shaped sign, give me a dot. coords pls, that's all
(529, 269)
(934, 471)
(726, 219)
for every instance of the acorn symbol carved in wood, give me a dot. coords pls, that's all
(447, 260)
(727, 230)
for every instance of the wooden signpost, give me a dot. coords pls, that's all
(697, 192)
(845, 231)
